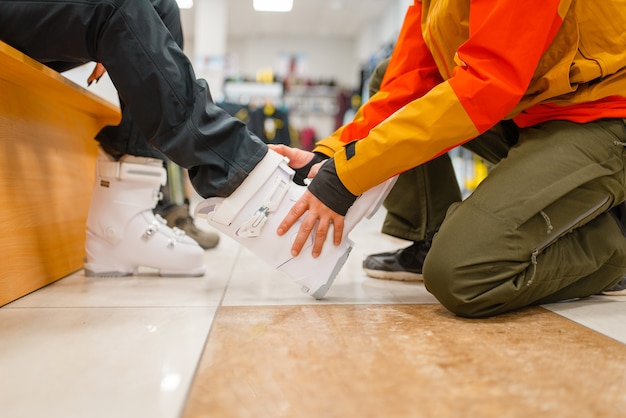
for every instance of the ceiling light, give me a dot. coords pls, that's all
(273, 5)
(185, 4)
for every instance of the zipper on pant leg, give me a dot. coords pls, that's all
(558, 234)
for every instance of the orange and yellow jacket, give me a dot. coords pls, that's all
(459, 67)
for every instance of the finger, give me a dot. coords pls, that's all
(320, 238)
(305, 230)
(297, 158)
(277, 148)
(99, 70)
(314, 170)
(285, 151)
(92, 77)
(296, 211)
(338, 224)
(96, 74)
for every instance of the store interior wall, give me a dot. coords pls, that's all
(381, 31)
(326, 58)
(322, 58)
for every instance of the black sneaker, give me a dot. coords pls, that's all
(404, 264)
(619, 289)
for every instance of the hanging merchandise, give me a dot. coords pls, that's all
(368, 68)
(308, 138)
(270, 124)
(240, 111)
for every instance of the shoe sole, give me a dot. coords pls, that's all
(91, 273)
(400, 276)
(160, 273)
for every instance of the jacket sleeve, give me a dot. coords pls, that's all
(417, 116)
(410, 74)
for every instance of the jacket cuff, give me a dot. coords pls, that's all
(327, 187)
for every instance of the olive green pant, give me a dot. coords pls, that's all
(536, 230)
(418, 202)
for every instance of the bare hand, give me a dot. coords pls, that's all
(317, 215)
(297, 158)
(96, 74)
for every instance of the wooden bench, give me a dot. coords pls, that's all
(47, 152)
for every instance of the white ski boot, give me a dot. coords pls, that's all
(122, 231)
(253, 212)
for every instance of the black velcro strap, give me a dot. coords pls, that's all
(350, 150)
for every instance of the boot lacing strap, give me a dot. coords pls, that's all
(252, 227)
(154, 227)
(178, 235)
(131, 171)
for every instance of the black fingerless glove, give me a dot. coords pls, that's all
(327, 187)
(303, 172)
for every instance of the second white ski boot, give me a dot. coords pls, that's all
(251, 216)
(124, 234)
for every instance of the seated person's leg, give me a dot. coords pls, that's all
(123, 232)
(125, 139)
(172, 108)
(174, 208)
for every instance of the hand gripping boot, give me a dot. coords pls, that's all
(251, 216)
(122, 231)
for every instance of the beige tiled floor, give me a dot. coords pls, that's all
(243, 341)
(404, 361)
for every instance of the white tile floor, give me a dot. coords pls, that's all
(129, 347)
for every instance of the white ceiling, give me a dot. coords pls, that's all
(331, 18)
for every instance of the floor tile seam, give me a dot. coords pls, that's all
(197, 362)
(377, 304)
(207, 338)
(544, 310)
(595, 331)
(231, 270)
(215, 305)
(365, 303)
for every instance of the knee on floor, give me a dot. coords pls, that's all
(455, 291)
